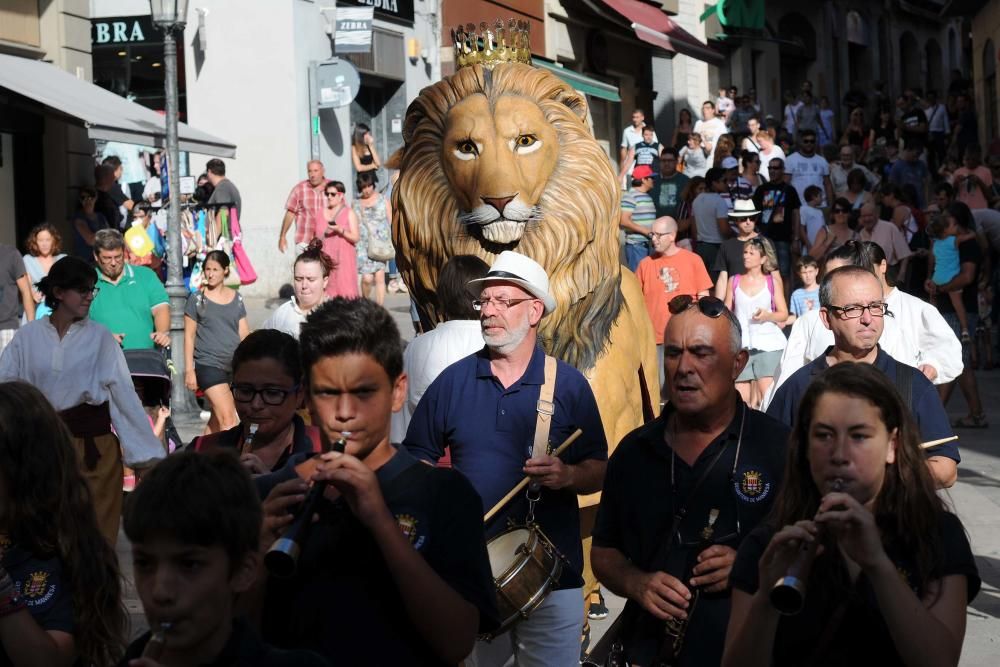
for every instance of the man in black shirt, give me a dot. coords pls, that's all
(708, 459)
(105, 184)
(970, 258)
(395, 572)
(779, 204)
(913, 127)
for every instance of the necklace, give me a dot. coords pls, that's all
(673, 452)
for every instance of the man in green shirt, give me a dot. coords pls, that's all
(131, 300)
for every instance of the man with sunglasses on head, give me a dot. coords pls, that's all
(683, 491)
(853, 308)
(492, 409)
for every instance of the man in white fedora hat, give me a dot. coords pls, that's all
(501, 411)
(729, 261)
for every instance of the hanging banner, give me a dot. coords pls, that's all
(354, 30)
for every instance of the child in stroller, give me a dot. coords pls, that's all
(151, 379)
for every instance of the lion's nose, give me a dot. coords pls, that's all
(499, 203)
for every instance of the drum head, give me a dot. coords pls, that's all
(503, 550)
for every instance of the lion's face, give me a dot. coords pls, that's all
(504, 160)
(498, 162)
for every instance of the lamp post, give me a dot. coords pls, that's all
(170, 17)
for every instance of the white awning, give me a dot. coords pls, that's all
(105, 115)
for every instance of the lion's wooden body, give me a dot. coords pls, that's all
(455, 134)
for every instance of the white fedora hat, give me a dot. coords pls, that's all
(743, 208)
(513, 267)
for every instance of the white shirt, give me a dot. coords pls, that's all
(426, 356)
(288, 318)
(806, 171)
(767, 156)
(838, 176)
(86, 366)
(937, 119)
(710, 131)
(915, 335)
(632, 136)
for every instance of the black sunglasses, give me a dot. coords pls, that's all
(709, 306)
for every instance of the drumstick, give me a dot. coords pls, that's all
(524, 482)
(935, 443)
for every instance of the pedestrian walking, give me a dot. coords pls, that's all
(374, 247)
(215, 321)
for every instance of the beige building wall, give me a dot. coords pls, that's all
(986, 27)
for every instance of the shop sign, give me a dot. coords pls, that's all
(399, 10)
(745, 14)
(354, 30)
(122, 30)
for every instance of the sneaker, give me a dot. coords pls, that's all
(966, 338)
(401, 286)
(598, 609)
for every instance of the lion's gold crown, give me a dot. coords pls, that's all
(492, 45)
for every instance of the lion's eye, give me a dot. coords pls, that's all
(526, 143)
(466, 150)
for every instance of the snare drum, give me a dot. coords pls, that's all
(525, 565)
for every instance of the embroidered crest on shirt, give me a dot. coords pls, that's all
(36, 589)
(751, 486)
(408, 524)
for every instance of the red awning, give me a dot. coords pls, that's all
(654, 27)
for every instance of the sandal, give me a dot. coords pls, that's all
(970, 421)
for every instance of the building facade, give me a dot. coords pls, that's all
(246, 75)
(42, 158)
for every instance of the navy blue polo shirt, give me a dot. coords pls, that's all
(926, 406)
(491, 430)
(40, 585)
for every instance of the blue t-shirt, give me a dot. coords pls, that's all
(910, 173)
(491, 430)
(798, 304)
(925, 404)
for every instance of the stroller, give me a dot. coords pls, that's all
(151, 377)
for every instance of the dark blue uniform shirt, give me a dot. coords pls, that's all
(925, 404)
(491, 431)
(39, 584)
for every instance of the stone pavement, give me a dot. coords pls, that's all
(975, 497)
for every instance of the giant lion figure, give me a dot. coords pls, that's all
(504, 160)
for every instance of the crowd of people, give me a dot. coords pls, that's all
(811, 322)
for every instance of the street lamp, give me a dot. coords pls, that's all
(170, 17)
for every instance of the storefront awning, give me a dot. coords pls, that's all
(654, 27)
(105, 115)
(580, 82)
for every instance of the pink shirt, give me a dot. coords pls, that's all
(891, 239)
(306, 202)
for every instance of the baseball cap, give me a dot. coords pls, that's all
(642, 171)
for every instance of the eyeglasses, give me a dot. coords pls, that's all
(86, 291)
(500, 304)
(86, 197)
(854, 311)
(245, 393)
(807, 141)
(660, 234)
(333, 194)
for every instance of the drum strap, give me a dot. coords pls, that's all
(546, 408)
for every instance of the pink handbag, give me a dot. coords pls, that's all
(243, 265)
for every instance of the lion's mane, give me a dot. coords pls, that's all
(576, 240)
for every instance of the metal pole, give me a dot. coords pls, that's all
(181, 400)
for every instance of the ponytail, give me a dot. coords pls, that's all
(315, 253)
